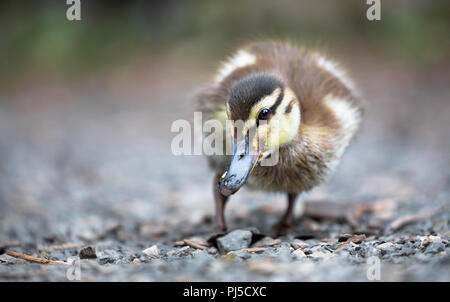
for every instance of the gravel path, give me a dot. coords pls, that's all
(90, 175)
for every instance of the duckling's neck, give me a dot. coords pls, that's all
(316, 149)
(303, 163)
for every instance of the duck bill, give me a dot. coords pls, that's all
(242, 164)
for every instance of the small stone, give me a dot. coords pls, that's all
(137, 261)
(434, 238)
(435, 247)
(384, 246)
(400, 241)
(212, 250)
(299, 253)
(243, 254)
(109, 256)
(87, 252)
(183, 251)
(151, 251)
(427, 240)
(179, 243)
(356, 238)
(235, 240)
(307, 251)
(299, 244)
(321, 255)
(407, 251)
(266, 241)
(417, 244)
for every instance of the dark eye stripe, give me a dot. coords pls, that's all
(289, 107)
(278, 101)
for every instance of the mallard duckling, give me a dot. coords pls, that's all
(312, 102)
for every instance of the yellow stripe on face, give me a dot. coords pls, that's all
(265, 102)
(283, 126)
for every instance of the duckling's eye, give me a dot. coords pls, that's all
(264, 114)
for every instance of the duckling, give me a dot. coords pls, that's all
(311, 100)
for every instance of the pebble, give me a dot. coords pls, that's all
(179, 243)
(427, 240)
(243, 254)
(87, 252)
(235, 240)
(406, 251)
(299, 244)
(384, 246)
(299, 253)
(400, 241)
(212, 250)
(180, 252)
(356, 238)
(152, 251)
(321, 255)
(266, 241)
(109, 256)
(435, 247)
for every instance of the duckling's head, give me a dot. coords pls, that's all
(265, 115)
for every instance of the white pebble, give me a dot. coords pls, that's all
(384, 245)
(299, 253)
(151, 251)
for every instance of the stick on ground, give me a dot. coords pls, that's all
(33, 259)
(194, 244)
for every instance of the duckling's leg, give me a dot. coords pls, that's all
(221, 201)
(284, 226)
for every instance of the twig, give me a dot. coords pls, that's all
(255, 249)
(194, 244)
(402, 221)
(411, 218)
(33, 259)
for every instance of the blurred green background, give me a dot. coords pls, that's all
(36, 39)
